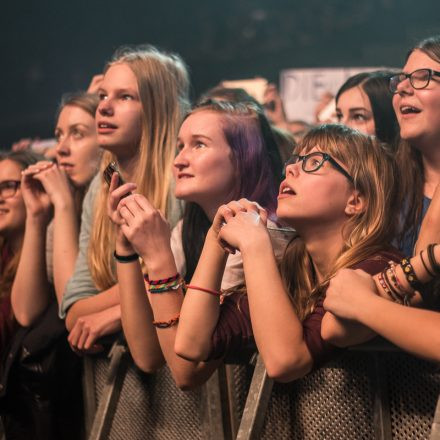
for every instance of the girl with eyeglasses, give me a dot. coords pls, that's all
(336, 194)
(224, 151)
(12, 226)
(416, 102)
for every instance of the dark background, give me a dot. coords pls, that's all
(49, 47)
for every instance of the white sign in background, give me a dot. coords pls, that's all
(301, 89)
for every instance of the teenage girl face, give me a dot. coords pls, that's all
(203, 167)
(418, 111)
(353, 109)
(316, 199)
(12, 209)
(119, 113)
(77, 149)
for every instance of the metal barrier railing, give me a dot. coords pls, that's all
(362, 385)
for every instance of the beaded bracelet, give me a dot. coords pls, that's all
(204, 289)
(125, 258)
(382, 277)
(431, 257)
(410, 275)
(167, 324)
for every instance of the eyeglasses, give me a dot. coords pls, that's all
(314, 161)
(419, 79)
(8, 188)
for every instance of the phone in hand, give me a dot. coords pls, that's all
(111, 168)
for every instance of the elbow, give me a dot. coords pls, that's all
(287, 367)
(191, 351)
(150, 365)
(24, 319)
(334, 337)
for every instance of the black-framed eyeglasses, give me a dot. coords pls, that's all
(8, 188)
(419, 79)
(314, 161)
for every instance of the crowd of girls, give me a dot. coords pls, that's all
(182, 229)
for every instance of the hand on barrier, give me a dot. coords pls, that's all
(89, 328)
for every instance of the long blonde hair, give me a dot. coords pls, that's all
(365, 233)
(163, 89)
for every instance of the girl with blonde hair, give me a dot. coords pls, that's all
(143, 97)
(336, 194)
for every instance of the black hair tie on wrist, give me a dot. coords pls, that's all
(125, 258)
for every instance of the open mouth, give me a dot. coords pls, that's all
(286, 190)
(408, 109)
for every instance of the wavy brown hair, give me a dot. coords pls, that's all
(410, 162)
(365, 233)
(163, 84)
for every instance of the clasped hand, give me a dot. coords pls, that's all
(238, 223)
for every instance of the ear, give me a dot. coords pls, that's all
(356, 203)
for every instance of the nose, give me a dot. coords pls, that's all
(181, 161)
(62, 148)
(293, 169)
(105, 107)
(404, 87)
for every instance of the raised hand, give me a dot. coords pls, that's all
(144, 226)
(240, 222)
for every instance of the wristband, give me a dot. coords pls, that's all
(125, 258)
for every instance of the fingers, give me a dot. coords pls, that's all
(37, 168)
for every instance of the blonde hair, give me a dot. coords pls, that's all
(163, 89)
(365, 233)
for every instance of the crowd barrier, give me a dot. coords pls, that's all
(373, 392)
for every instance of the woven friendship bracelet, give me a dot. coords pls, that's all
(167, 324)
(162, 281)
(167, 287)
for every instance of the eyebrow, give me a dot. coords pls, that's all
(355, 109)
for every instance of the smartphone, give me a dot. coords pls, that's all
(111, 168)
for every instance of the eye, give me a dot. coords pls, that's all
(339, 116)
(102, 96)
(360, 117)
(77, 134)
(127, 97)
(179, 147)
(199, 144)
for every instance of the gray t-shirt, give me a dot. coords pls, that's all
(81, 284)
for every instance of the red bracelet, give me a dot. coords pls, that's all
(203, 289)
(166, 324)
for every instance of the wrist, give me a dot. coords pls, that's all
(37, 221)
(256, 244)
(161, 265)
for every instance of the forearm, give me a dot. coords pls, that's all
(200, 310)
(137, 317)
(277, 330)
(412, 329)
(95, 303)
(30, 293)
(65, 247)
(343, 332)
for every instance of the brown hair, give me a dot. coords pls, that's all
(410, 163)
(365, 233)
